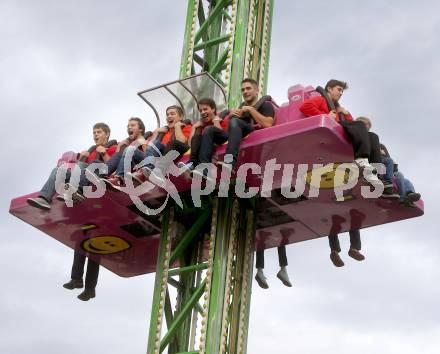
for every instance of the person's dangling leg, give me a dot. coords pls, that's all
(91, 281)
(282, 260)
(76, 275)
(259, 264)
(46, 193)
(366, 150)
(238, 129)
(134, 154)
(335, 248)
(401, 186)
(175, 147)
(410, 194)
(196, 142)
(358, 134)
(355, 245)
(388, 191)
(374, 153)
(210, 136)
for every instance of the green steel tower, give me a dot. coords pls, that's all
(208, 266)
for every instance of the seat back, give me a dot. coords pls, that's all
(296, 94)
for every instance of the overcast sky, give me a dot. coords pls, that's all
(65, 65)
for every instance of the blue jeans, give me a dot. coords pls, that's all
(238, 128)
(154, 151)
(404, 185)
(49, 189)
(389, 164)
(121, 169)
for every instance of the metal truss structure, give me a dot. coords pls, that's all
(206, 254)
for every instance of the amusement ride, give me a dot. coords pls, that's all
(205, 253)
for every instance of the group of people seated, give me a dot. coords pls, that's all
(212, 129)
(178, 135)
(368, 150)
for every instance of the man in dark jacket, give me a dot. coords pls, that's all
(241, 122)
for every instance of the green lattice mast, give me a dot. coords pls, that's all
(230, 39)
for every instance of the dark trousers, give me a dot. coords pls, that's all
(211, 135)
(177, 145)
(355, 241)
(365, 144)
(78, 270)
(375, 156)
(196, 143)
(237, 128)
(181, 148)
(282, 258)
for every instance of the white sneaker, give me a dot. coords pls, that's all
(261, 279)
(363, 163)
(92, 177)
(186, 167)
(39, 203)
(372, 178)
(284, 277)
(156, 176)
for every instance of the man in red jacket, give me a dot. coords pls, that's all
(365, 145)
(366, 150)
(102, 151)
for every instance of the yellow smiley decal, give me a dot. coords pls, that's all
(105, 245)
(328, 174)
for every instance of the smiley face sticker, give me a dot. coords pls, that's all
(105, 245)
(328, 178)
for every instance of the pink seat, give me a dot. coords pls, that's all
(69, 158)
(289, 111)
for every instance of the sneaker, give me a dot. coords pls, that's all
(138, 177)
(413, 197)
(261, 279)
(284, 277)
(113, 183)
(363, 164)
(186, 167)
(86, 295)
(157, 177)
(76, 197)
(372, 178)
(336, 259)
(388, 192)
(355, 254)
(39, 203)
(410, 198)
(61, 197)
(93, 177)
(74, 284)
(147, 169)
